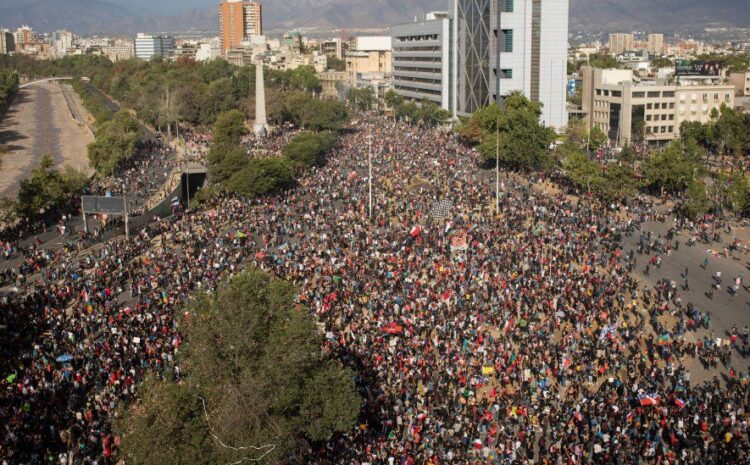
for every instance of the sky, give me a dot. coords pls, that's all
(163, 7)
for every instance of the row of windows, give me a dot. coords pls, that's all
(507, 6)
(416, 90)
(416, 49)
(421, 59)
(416, 79)
(659, 129)
(420, 37)
(662, 105)
(407, 69)
(694, 97)
(669, 117)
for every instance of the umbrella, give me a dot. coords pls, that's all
(65, 358)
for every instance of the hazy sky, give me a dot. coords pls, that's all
(163, 6)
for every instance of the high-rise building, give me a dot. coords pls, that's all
(656, 44)
(7, 43)
(238, 20)
(507, 45)
(619, 42)
(24, 35)
(148, 46)
(421, 60)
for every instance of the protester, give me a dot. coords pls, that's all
(479, 335)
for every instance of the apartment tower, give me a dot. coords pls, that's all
(238, 20)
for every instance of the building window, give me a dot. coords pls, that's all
(506, 74)
(649, 106)
(668, 93)
(654, 94)
(508, 6)
(639, 94)
(598, 92)
(670, 129)
(507, 40)
(671, 105)
(616, 93)
(648, 117)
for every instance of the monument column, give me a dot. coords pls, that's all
(261, 124)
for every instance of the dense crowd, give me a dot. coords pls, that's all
(480, 335)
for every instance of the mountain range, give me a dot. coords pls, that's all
(129, 16)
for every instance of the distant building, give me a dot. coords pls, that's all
(333, 83)
(422, 61)
(7, 42)
(632, 112)
(119, 50)
(23, 36)
(208, 51)
(370, 60)
(238, 20)
(334, 47)
(656, 44)
(61, 42)
(619, 43)
(741, 83)
(148, 46)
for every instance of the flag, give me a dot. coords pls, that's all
(648, 399)
(11, 378)
(578, 416)
(415, 231)
(477, 443)
(352, 176)
(393, 328)
(679, 402)
(164, 298)
(663, 339)
(488, 370)
(447, 295)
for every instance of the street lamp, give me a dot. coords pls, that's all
(497, 166)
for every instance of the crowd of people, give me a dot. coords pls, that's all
(481, 333)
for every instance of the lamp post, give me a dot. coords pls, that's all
(497, 166)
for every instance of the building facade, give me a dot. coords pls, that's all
(503, 46)
(619, 42)
(656, 44)
(7, 42)
(148, 46)
(741, 83)
(238, 20)
(632, 112)
(371, 59)
(422, 61)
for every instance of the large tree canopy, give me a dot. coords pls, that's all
(255, 376)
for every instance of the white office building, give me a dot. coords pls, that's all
(421, 68)
(148, 46)
(509, 45)
(484, 50)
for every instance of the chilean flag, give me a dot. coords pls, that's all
(415, 231)
(648, 399)
(478, 443)
(679, 402)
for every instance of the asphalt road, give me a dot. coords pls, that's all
(724, 308)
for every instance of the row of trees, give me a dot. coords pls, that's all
(8, 88)
(116, 141)
(512, 136)
(428, 114)
(256, 385)
(163, 93)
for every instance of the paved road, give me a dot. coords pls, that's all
(725, 309)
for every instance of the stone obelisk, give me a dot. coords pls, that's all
(261, 124)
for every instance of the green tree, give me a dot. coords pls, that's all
(596, 139)
(738, 195)
(335, 63)
(229, 128)
(431, 115)
(309, 149)
(115, 142)
(392, 99)
(603, 61)
(673, 169)
(523, 141)
(223, 161)
(262, 176)
(696, 199)
(362, 99)
(255, 359)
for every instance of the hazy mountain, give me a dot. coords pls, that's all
(128, 16)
